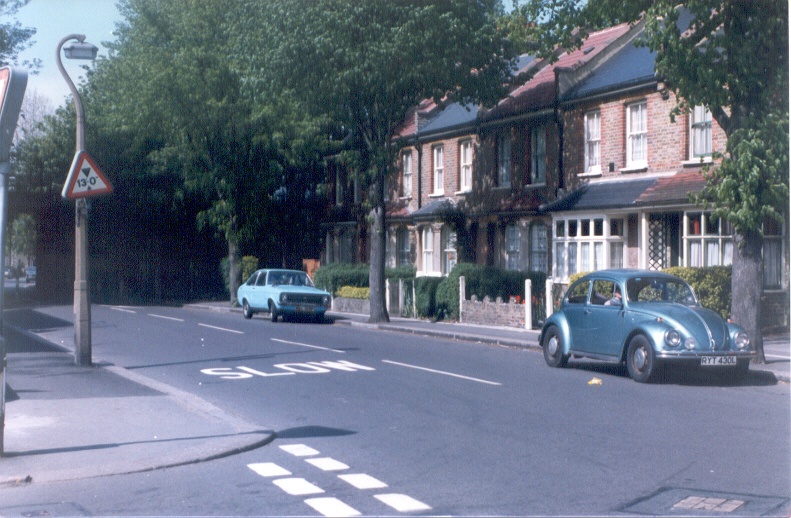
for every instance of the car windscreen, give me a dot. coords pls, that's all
(658, 289)
(289, 279)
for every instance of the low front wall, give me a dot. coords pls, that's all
(358, 306)
(497, 313)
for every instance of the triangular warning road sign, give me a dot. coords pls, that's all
(85, 179)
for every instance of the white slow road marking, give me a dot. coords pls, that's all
(308, 345)
(441, 372)
(166, 317)
(331, 507)
(402, 503)
(297, 486)
(363, 481)
(221, 329)
(299, 450)
(269, 469)
(327, 464)
(116, 308)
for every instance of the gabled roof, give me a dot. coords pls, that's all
(631, 65)
(539, 92)
(453, 116)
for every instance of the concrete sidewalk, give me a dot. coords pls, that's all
(64, 421)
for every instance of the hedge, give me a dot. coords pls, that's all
(352, 292)
(333, 276)
(483, 281)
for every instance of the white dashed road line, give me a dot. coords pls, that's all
(166, 317)
(330, 506)
(441, 372)
(222, 329)
(116, 308)
(308, 345)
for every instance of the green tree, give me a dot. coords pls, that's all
(13, 37)
(364, 65)
(732, 57)
(23, 236)
(170, 75)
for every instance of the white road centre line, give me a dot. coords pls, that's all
(308, 345)
(222, 329)
(166, 317)
(116, 308)
(299, 450)
(327, 464)
(297, 486)
(269, 469)
(362, 481)
(331, 507)
(441, 372)
(402, 503)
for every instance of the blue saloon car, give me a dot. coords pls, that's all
(286, 293)
(643, 318)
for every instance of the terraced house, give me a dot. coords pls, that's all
(580, 168)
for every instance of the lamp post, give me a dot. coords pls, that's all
(82, 308)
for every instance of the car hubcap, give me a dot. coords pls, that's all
(638, 359)
(552, 346)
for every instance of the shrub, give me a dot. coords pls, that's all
(249, 266)
(353, 292)
(425, 296)
(332, 277)
(484, 281)
(712, 286)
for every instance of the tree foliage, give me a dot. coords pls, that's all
(14, 38)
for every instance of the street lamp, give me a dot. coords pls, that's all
(82, 308)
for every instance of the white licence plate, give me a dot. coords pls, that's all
(305, 309)
(718, 360)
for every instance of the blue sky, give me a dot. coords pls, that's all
(54, 19)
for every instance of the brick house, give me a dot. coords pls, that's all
(579, 168)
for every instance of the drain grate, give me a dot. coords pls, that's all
(696, 502)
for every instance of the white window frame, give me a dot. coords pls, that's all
(703, 245)
(427, 236)
(513, 246)
(465, 166)
(637, 135)
(406, 171)
(538, 155)
(539, 247)
(700, 134)
(504, 161)
(438, 153)
(403, 247)
(592, 123)
(449, 250)
(586, 242)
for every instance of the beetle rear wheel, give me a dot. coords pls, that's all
(641, 360)
(553, 348)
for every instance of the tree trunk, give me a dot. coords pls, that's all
(233, 266)
(747, 287)
(376, 278)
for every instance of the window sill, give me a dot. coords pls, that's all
(466, 191)
(697, 163)
(437, 195)
(634, 169)
(405, 198)
(535, 185)
(593, 174)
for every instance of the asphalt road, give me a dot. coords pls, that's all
(444, 427)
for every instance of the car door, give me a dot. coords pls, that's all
(258, 298)
(604, 319)
(575, 310)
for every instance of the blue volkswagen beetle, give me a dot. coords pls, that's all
(282, 293)
(643, 318)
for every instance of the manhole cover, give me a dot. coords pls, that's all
(697, 502)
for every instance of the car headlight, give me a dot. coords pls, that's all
(690, 343)
(742, 340)
(283, 298)
(672, 338)
(326, 301)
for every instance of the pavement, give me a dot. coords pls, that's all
(66, 422)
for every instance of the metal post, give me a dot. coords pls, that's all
(82, 306)
(5, 168)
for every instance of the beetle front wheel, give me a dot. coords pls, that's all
(553, 348)
(641, 360)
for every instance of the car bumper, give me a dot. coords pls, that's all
(697, 355)
(301, 309)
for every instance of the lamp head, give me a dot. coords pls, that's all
(81, 50)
